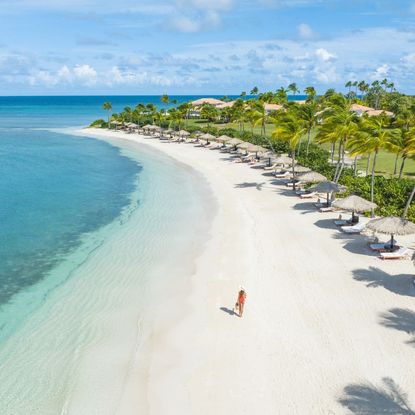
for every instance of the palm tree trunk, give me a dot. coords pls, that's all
(372, 182)
(292, 167)
(341, 164)
(338, 162)
(308, 142)
(368, 164)
(299, 147)
(333, 148)
(402, 166)
(408, 203)
(395, 168)
(355, 166)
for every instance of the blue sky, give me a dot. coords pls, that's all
(202, 46)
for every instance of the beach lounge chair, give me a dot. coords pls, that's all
(359, 227)
(399, 254)
(326, 209)
(343, 222)
(273, 167)
(307, 195)
(283, 175)
(383, 246)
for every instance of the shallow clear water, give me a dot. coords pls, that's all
(84, 227)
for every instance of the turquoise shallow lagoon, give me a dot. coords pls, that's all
(87, 226)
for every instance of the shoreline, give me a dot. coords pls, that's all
(311, 325)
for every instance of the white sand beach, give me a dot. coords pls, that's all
(327, 325)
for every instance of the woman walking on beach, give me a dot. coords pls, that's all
(241, 301)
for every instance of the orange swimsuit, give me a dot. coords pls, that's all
(241, 298)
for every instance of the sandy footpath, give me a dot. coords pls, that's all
(327, 326)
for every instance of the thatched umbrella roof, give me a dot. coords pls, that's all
(312, 177)
(282, 159)
(184, 133)
(299, 169)
(326, 187)
(148, 127)
(252, 148)
(355, 204)
(223, 139)
(244, 145)
(207, 137)
(235, 141)
(392, 225)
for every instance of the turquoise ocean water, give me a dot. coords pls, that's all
(62, 196)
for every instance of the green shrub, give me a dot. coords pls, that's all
(99, 124)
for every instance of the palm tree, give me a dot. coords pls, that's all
(165, 99)
(363, 88)
(339, 125)
(349, 85)
(209, 113)
(291, 130)
(376, 135)
(108, 107)
(128, 113)
(408, 203)
(311, 93)
(254, 91)
(281, 96)
(293, 88)
(307, 114)
(243, 94)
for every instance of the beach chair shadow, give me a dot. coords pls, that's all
(367, 399)
(325, 224)
(228, 311)
(306, 207)
(245, 185)
(402, 284)
(402, 320)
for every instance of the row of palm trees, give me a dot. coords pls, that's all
(335, 123)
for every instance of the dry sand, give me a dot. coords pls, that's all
(327, 325)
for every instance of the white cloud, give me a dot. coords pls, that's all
(86, 74)
(381, 72)
(305, 31)
(324, 55)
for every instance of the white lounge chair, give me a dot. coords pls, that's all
(306, 195)
(359, 227)
(282, 176)
(380, 246)
(399, 254)
(342, 222)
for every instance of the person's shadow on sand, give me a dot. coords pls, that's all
(228, 311)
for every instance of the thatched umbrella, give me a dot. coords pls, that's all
(207, 137)
(392, 225)
(235, 141)
(223, 139)
(312, 177)
(326, 187)
(184, 133)
(282, 159)
(300, 169)
(354, 204)
(148, 127)
(243, 146)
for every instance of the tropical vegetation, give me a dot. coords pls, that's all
(325, 133)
